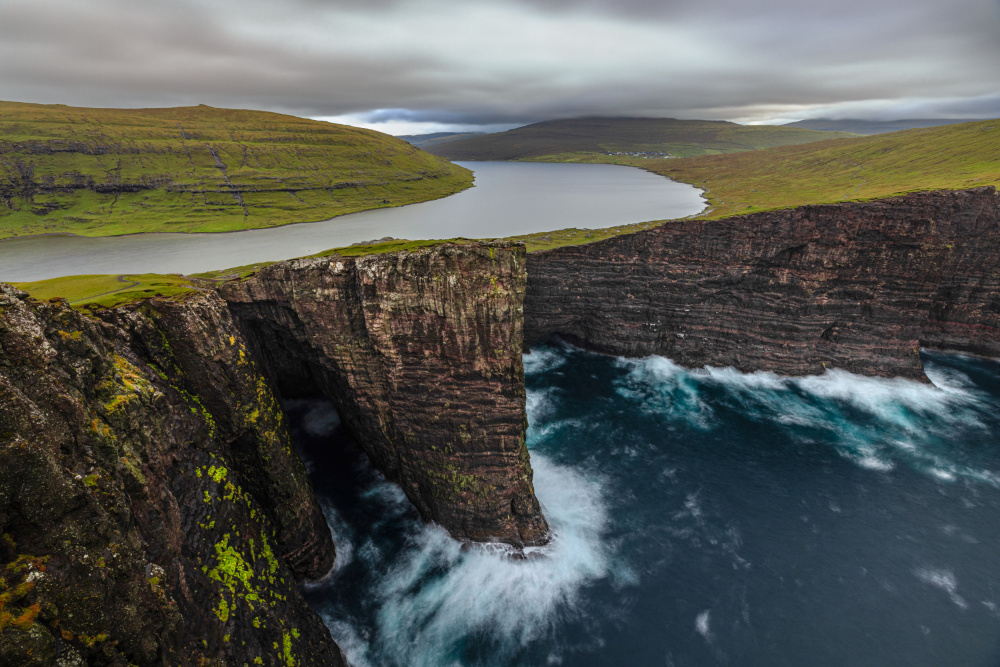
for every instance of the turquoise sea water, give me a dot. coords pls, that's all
(700, 517)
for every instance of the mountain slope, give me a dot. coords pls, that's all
(584, 139)
(949, 157)
(102, 172)
(869, 127)
(434, 138)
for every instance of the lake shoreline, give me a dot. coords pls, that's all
(507, 199)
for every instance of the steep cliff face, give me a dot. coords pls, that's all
(152, 510)
(856, 286)
(421, 353)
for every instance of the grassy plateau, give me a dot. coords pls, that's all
(599, 139)
(107, 291)
(950, 157)
(103, 172)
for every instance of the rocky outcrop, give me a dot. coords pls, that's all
(860, 286)
(152, 510)
(421, 353)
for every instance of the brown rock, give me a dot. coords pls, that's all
(152, 510)
(859, 286)
(421, 353)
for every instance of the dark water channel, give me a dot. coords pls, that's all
(701, 518)
(509, 198)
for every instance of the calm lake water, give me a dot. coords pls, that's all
(700, 517)
(509, 198)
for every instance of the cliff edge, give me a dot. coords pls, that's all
(859, 286)
(421, 353)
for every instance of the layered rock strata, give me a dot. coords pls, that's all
(859, 286)
(152, 510)
(421, 353)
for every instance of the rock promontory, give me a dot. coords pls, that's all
(421, 354)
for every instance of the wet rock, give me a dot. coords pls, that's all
(860, 286)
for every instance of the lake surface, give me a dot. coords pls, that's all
(702, 517)
(509, 198)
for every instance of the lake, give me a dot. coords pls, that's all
(509, 198)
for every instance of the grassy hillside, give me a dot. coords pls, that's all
(101, 172)
(434, 138)
(598, 139)
(871, 126)
(939, 158)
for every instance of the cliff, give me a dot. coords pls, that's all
(859, 286)
(421, 353)
(152, 510)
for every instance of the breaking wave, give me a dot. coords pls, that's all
(429, 599)
(877, 423)
(697, 515)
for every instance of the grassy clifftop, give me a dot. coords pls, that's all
(102, 172)
(949, 157)
(598, 139)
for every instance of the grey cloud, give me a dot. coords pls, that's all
(507, 62)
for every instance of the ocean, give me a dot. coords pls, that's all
(700, 517)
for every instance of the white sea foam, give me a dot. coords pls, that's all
(539, 360)
(943, 579)
(873, 422)
(438, 594)
(666, 388)
(701, 624)
(540, 404)
(320, 419)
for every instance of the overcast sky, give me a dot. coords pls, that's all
(424, 65)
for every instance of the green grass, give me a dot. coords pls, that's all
(108, 291)
(942, 158)
(103, 172)
(949, 157)
(592, 139)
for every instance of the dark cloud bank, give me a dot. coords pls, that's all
(506, 63)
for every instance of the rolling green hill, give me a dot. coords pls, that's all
(102, 172)
(948, 157)
(599, 139)
(872, 126)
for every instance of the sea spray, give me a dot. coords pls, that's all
(702, 517)
(431, 601)
(875, 422)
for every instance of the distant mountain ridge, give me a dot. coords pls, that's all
(583, 139)
(869, 127)
(434, 138)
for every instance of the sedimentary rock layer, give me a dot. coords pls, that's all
(859, 286)
(152, 510)
(421, 353)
